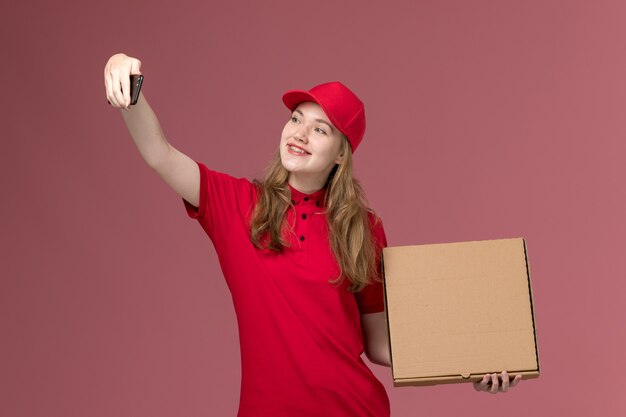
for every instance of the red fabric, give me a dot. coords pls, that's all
(300, 336)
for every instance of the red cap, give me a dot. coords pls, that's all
(344, 109)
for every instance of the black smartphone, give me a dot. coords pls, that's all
(135, 88)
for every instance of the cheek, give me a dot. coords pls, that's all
(286, 131)
(330, 150)
(283, 140)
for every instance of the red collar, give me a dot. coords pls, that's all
(315, 198)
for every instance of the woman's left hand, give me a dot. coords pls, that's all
(497, 386)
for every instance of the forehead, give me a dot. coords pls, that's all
(313, 110)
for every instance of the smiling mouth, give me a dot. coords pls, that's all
(297, 150)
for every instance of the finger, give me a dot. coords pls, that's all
(494, 383)
(482, 384)
(106, 77)
(106, 85)
(505, 381)
(124, 87)
(135, 67)
(109, 87)
(117, 88)
(516, 380)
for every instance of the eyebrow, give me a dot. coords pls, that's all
(318, 120)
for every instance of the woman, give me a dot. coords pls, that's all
(299, 250)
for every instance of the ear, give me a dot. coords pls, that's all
(339, 159)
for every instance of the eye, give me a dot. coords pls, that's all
(294, 119)
(320, 130)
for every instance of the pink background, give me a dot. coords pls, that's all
(486, 119)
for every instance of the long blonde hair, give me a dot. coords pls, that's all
(347, 214)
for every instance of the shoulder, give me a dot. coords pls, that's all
(218, 179)
(374, 218)
(224, 192)
(223, 175)
(377, 228)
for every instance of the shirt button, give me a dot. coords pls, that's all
(304, 217)
(306, 198)
(293, 201)
(301, 237)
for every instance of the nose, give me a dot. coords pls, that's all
(301, 136)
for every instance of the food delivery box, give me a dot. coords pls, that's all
(458, 311)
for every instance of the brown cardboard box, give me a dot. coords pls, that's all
(457, 311)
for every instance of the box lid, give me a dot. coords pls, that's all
(459, 309)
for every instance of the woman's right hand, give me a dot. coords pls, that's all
(117, 74)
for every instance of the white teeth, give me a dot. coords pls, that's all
(296, 149)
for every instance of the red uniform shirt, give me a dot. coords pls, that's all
(300, 336)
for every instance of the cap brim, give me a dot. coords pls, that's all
(294, 97)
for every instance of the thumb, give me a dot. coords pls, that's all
(135, 68)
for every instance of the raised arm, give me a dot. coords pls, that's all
(178, 170)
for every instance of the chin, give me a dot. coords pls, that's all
(287, 166)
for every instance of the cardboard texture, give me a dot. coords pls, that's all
(457, 311)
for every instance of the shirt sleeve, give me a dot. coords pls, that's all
(222, 200)
(371, 298)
